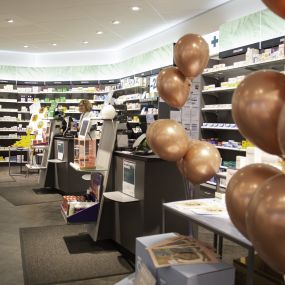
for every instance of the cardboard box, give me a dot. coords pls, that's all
(198, 274)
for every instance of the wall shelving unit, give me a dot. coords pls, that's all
(228, 69)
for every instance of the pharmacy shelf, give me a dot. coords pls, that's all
(16, 162)
(219, 89)
(8, 100)
(9, 138)
(219, 128)
(54, 92)
(23, 112)
(216, 109)
(231, 148)
(13, 149)
(11, 131)
(71, 112)
(149, 100)
(215, 184)
(278, 64)
(129, 88)
(8, 111)
(133, 110)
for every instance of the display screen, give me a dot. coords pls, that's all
(84, 128)
(60, 150)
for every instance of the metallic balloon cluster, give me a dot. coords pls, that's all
(197, 161)
(255, 195)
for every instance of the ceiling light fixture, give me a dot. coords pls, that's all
(135, 8)
(54, 44)
(10, 21)
(85, 42)
(115, 22)
(99, 33)
(25, 46)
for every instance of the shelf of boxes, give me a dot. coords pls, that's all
(219, 128)
(8, 111)
(231, 148)
(220, 107)
(245, 65)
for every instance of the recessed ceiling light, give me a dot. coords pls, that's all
(115, 22)
(135, 8)
(85, 42)
(99, 33)
(10, 21)
(25, 46)
(54, 44)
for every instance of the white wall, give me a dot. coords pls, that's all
(203, 24)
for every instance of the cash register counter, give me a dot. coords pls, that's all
(155, 182)
(60, 175)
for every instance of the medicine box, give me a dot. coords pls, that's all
(198, 274)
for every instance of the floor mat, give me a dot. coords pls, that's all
(26, 196)
(50, 256)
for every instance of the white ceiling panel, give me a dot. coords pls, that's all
(38, 23)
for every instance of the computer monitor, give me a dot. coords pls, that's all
(84, 128)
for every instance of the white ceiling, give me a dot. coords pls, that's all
(39, 23)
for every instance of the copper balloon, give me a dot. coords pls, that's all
(265, 222)
(191, 55)
(281, 131)
(244, 183)
(256, 107)
(277, 6)
(201, 162)
(173, 87)
(168, 139)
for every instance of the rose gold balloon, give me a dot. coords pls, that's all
(277, 6)
(191, 55)
(265, 221)
(281, 131)
(168, 139)
(244, 183)
(173, 87)
(201, 162)
(256, 107)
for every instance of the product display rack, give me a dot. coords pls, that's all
(220, 82)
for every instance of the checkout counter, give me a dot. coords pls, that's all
(149, 182)
(59, 173)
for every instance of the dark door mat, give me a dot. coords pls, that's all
(19, 196)
(83, 243)
(46, 191)
(47, 259)
(98, 281)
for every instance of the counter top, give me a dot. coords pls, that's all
(63, 138)
(137, 157)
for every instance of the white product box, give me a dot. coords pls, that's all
(253, 155)
(240, 162)
(198, 274)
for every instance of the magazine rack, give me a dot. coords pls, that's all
(98, 213)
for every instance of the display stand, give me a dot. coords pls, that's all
(20, 150)
(103, 164)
